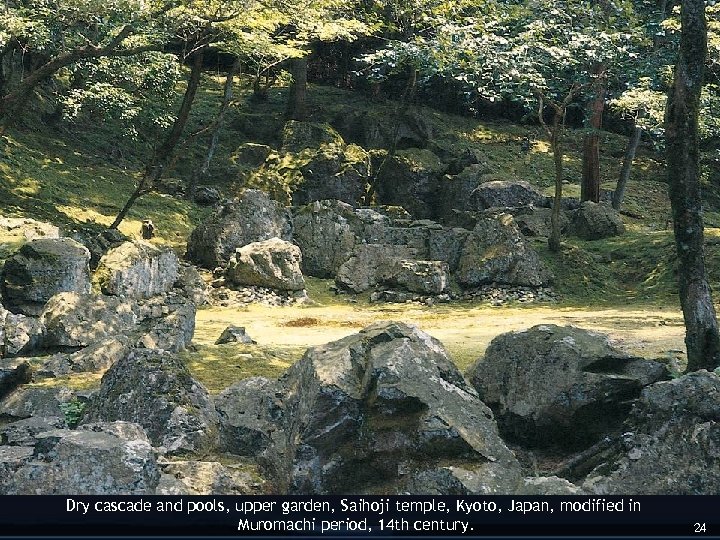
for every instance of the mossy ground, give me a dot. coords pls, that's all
(625, 285)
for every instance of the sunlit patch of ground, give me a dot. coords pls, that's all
(283, 333)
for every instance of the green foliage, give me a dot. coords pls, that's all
(72, 411)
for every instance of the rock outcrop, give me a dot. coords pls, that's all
(273, 263)
(559, 386)
(155, 389)
(41, 269)
(670, 443)
(506, 194)
(137, 270)
(496, 252)
(253, 217)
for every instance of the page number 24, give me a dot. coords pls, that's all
(700, 528)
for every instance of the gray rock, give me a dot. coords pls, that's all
(167, 322)
(97, 460)
(235, 334)
(446, 245)
(24, 432)
(462, 478)
(595, 221)
(155, 389)
(326, 232)
(30, 401)
(559, 386)
(272, 263)
(41, 269)
(207, 196)
(369, 265)
(428, 277)
(549, 485)
(252, 217)
(13, 373)
(363, 411)
(536, 222)
(670, 444)
(95, 358)
(503, 194)
(411, 179)
(192, 285)
(208, 478)
(12, 458)
(79, 320)
(19, 334)
(496, 252)
(249, 412)
(99, 244)
(138, 270)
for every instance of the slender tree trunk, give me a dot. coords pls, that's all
(163, 154)
(626, 167)
(681, 132)
(297, 106)
(590, 186)
(555, 143)
(200, 173)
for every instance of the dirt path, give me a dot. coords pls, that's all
(465, 330)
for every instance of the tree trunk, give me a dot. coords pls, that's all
(555, 143)
(626, 167)
(681, 132)
(590, 186)
(297, 106)
(162, 154)
(216, 126)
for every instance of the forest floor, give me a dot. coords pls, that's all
(624, 286)
(465, 329)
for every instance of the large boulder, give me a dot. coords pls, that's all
(596, 221)
(252, 217)
(138, 270)
(559, 386)
(99, 459)
(425, 277)
(411, 178)
(79, 320)
(373, 129)
(326, 232)
(504, 194)
(496, 252)
(375, 408)
(41, 269)
(537, 221)
(369, 265)
(19, 334)
(155, 389)
(273, 263)
(249, 412)
(670, 442)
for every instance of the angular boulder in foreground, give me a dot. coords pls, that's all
(155, 389)
(273, 263)
(377, 408)
(670, 443)
(97, 459)
(559, 386)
